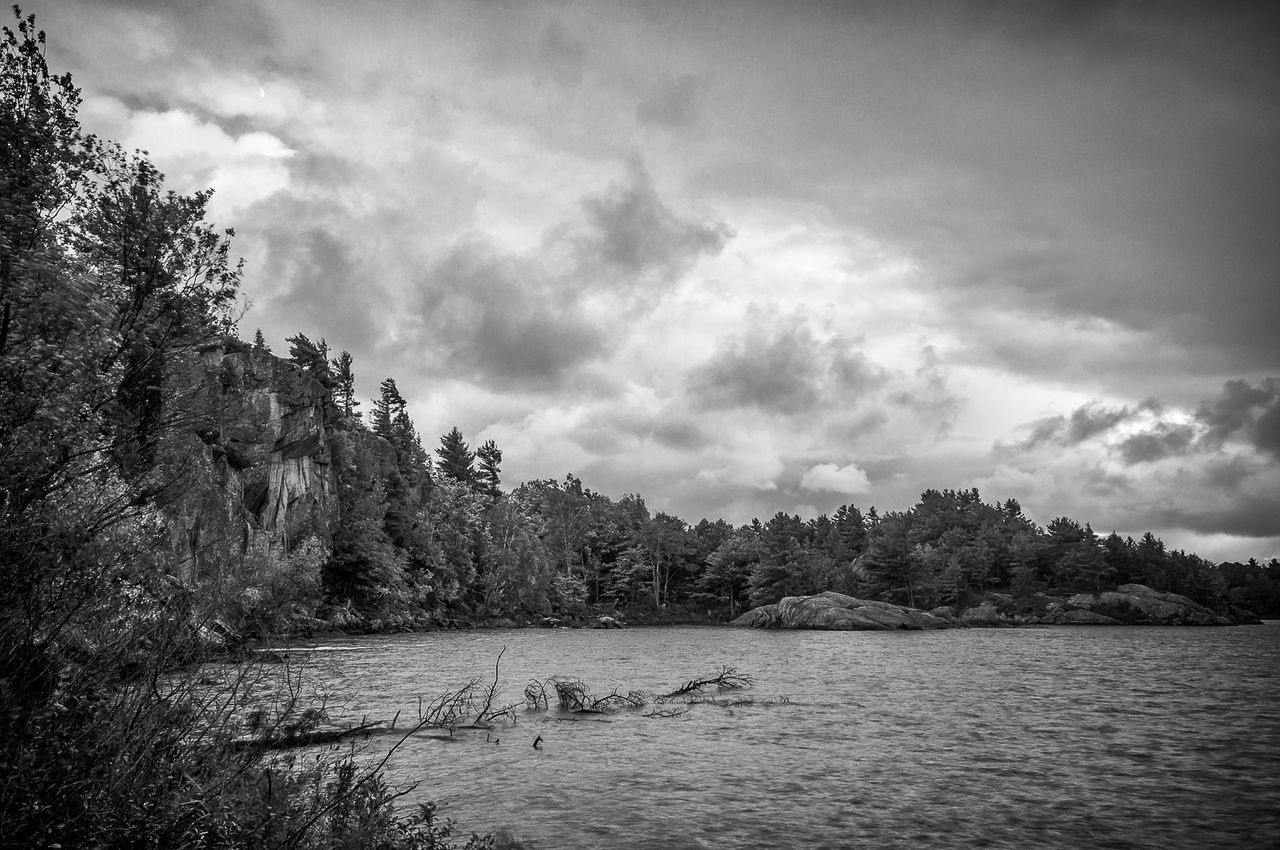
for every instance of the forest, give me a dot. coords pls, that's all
(438, 535)
(123, 385)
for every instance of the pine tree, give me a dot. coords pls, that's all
(344, 389)
(457, 461)
(312, 358)
(488, 476)
(386, 408)
(260, 342)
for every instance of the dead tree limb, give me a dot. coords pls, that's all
(728, 679)
(488, 712)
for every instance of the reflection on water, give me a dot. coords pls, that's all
(1054, 737)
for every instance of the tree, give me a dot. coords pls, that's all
(344, 386)
(108, 287)
(386, 408)
(311, 357)
(730, 566)
(666, 545)
(488, 476)
(457, 461)
(1079, 562)
(896, 569)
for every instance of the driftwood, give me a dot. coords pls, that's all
(535, 696)
(308, 738)
(728, 679)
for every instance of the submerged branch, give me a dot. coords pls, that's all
(728, 679)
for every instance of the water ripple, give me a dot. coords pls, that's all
(1058, 737)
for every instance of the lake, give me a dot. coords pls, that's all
(1035, 737)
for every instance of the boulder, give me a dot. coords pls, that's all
(837, 611)
(985, 615)
(945, 612)
(1084, 617)
(607, 622)
(1133, 604)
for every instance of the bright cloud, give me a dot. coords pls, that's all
(848, 480)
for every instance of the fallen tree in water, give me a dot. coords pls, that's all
(727, 679)
(474, 706)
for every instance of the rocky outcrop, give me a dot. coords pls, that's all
(1129, 604)
(257, 473)
(836, 611)
(1132, 604)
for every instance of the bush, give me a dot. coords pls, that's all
(126, 751)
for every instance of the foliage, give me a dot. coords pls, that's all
(111, 291)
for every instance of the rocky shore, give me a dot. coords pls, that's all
(1127, 605)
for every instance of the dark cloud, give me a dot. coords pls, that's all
(1104, 482)
(322, 290)
(1242, 407)
(676, 434)
(611, 432)
(1258, 516)
(774, 369)
(636, 236)
(1089, 420)
(497, 319)
(1266, 431)
(1228, 474)
(781, 367)
(1094, 419)
(1161, 441)
(235, 32)
(561, 54)
(674, 102)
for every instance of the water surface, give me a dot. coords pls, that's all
(1038, 737)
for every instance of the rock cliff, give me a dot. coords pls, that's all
(258, 471)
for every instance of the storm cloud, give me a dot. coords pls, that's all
(638, 239)
(782, 367)
(738, 257)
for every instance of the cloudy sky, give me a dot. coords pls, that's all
(742, 257)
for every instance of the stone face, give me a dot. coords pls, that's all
(836, 611)
(261, 467)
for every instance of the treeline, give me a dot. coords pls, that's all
(440, 536)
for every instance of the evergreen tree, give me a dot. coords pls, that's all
(344, 386)
(730, 566)
(457, 461)
(411, 457)
(488, 476)
(260, 342)
(387, 407)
